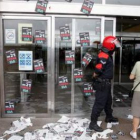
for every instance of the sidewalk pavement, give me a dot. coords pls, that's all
(124, 126)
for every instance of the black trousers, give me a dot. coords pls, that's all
(103, 101)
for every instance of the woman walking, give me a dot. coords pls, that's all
(135, 108)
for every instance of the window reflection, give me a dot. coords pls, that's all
(36, 100)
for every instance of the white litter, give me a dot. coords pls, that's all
(28, 136)
(118, 100)
(99, 123)
(19, 125)
(72, 128)
(64, 119)
(109, 125)
(102, 135)
(129, 116)
(65, 129)
(81, 122)
(94, 136)
(125, 95)
(49, 136)
(15, 138)
(49, 125)
(59, 129)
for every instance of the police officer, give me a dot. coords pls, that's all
(102, 80)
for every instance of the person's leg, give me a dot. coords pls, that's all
(108, 107)
(100, 101)
(135, 112)
(136, 122)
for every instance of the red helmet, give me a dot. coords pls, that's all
(110, 42)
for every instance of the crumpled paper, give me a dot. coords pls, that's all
(64, 119)
(129, 116)
(65, 129)
(19, 125)
(15, 138)
(102, 135)
(109, 125)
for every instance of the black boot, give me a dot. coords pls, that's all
(94, 126)
(111, 119)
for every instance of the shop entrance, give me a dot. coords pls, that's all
(39, 38)
(70, 92)
(125, 59)
(26, 46)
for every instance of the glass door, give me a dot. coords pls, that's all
(83, 90)
(26, 76)
(75, 39)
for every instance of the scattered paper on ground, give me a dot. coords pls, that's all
(19, 125)
(15, 138)
(102, 135)
(65, 129)
(109, 125)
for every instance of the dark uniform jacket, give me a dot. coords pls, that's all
(104, 66)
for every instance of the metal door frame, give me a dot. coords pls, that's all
(49, 78)
(114, 34)
(102, 18)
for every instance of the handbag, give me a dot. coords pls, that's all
(132, 91)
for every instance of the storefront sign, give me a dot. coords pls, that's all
(40, 37)
(69, 57)
(11, 57)
(78, 75)
(65, 33)
(87, 6)
(88, 89)
(10, 36)
(63, 82)
(27, 34)
(9, 107)
(86, 59)
(38, 66)
(84, 39)
(26, 85)
(41, 6)
(25, 60)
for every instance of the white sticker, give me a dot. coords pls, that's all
(25, 60)
(10, 36)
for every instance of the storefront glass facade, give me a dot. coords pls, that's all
(54, 89)
(28, 91)
(18, 65)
